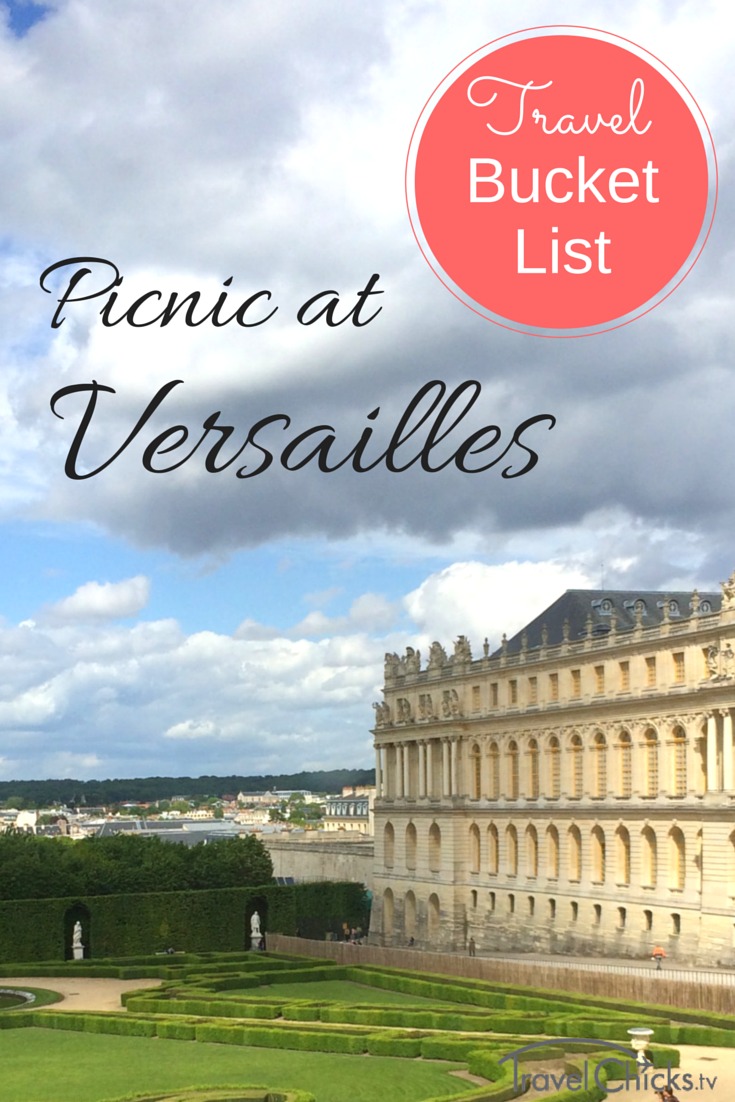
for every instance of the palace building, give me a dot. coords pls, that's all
(572, 792)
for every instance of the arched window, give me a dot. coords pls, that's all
(574, 842)
(494, 770)
(650, 746)
(435, 848)
(554, 768)
(599, 747)
(622, 856)
(389, 846)
(577, 767)
(434, 915)
(552, 853)
(492, 849)
(598, 855)
(533, 770)
(677, 859)
(388, 908)
(679, 762)
(649, 855)
(625, 764)
(411, 840)
(475, 772)
(512, 761)
(511, 847)
(474, 848)
(531, 852)
(409, 915)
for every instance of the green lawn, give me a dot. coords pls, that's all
(339, 991)
(43, 1065)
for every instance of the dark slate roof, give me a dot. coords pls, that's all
(576, 605)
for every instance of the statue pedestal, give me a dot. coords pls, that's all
(254, 943)
(78, 951)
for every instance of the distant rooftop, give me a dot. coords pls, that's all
(600, 607)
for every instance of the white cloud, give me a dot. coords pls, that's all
(477, 600)
(102, 601)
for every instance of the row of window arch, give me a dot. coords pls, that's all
(433, 913)
(532, 856)
(606, 777)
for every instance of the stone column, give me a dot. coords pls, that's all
(422, 770)
(430, 769)
(454, 789)
(446, 777)
(727, 756)
(378, 772)
(712, 771)
(406, 771)
(400, 791)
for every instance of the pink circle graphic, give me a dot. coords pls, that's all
(561, 181)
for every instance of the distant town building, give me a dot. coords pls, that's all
(353, 810)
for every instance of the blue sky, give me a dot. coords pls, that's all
(194, 622)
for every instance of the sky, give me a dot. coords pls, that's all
(196, 621)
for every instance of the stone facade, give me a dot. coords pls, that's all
(573, 792)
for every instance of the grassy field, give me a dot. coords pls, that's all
(40, 1065)
(339, 991)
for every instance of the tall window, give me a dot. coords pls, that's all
(625, 753)
(474, 848)
(622, 863)
(513, 770)
(576, 684)
(552, 851)
(650, 672)
(533, 769)
(409, 915)
(625, 677)
(494, 694)
(554, 768)
(598, 855)
(475, 698)
(511, 845)
(532, 852)
(435, 848)
(679, 754)
(513, 691)
(650, 743)
(599, 679)
(533, 690)
(554, 686)
(599, 747)
(574, 841)
(678, 667)
(410, 846)
(494, 762)
(492, 849)
(649, 854)
(577, 764)
(677, 861)
(389, 845)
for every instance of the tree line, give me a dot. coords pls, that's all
(103, 793)
(35, 867)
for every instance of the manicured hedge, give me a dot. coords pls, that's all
(137, 925)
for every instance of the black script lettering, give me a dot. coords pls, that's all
(508, 472)
(94, 388)
(327, 311)
(76, 277)
(174, 304)
(433, 409)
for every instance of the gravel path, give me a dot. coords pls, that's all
(82, 993)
